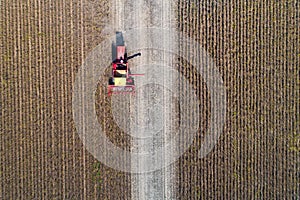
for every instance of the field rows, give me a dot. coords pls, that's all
(256, 49)
(254, 45)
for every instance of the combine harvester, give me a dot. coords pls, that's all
(121, 80)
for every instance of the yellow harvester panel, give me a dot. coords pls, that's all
(120, 81)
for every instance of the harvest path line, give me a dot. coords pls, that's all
(139, 14)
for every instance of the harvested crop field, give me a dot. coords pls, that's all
(255, 49)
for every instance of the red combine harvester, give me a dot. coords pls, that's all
(121, 80)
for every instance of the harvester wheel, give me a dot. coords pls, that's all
(111, 81)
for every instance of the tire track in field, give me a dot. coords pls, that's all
(139, 15)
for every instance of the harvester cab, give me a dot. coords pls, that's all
(121, 80)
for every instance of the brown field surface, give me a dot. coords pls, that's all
(255, 46)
